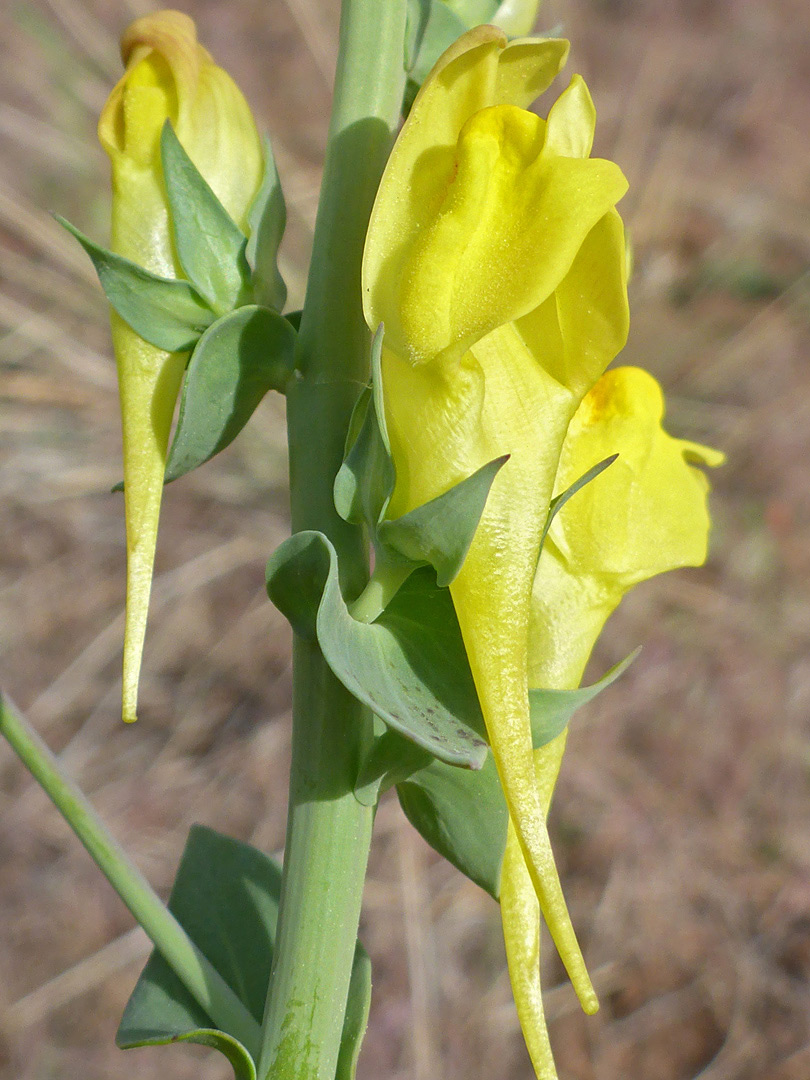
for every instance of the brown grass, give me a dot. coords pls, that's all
(684, 806)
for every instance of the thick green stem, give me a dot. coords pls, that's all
(168, 936)
(328, 830)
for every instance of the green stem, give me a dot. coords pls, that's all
(328, 830)
(383, 585)
(168, 936)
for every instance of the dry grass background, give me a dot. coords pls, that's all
(683, 816)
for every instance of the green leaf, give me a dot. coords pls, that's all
(559, 501)
(355, 1021)
(409, 666)
(226, 898)
(462, 815)
(236, 361)
(432, 28)
(440, 532)
(169, 314)
(391, 759)
(474, 12)
(365, 480)
(552, 709)
(210, 245)
(266, 220)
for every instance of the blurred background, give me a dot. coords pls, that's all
(683, 813)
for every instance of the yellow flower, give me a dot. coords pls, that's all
(496, 260)
(644, 515)
(168, 75)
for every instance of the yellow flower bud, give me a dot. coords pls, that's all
(169, 75)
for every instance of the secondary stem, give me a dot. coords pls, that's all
(328, 830)
(168, 936)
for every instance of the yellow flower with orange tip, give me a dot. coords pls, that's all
(169, 75)
(644, 515)
(496, 261)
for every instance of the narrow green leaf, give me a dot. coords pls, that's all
(559, 501)
(168, 313)
(409, 666)
(210, 245)
(236, 361)
(266, 220)
(355, 1021)
(552, 709)
(440, 532)
(365, 480)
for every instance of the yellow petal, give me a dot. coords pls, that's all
(169, 75)
(584, 324)
(478, 71)
(572, 121)
(520, 914)
(644, 515)
(475, 266)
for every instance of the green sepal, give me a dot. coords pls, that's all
(226, 897)
(409, 666)
(463, 814)
(237, 360)
(365, 481)
(552, 709)
(559, 501)
(440, 532)
(432, 27)
(170, 314)
(267, 218)
(209, 244)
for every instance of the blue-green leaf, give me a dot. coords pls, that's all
(559, 501)
(552, 709)
(266, 220)
(226, 898)
(365, 480)
(210, 245)
(409, 666)
(432, 28)
(462, 815)
(390, 760)
(168, 313)
(236, 361)
(440, 532)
